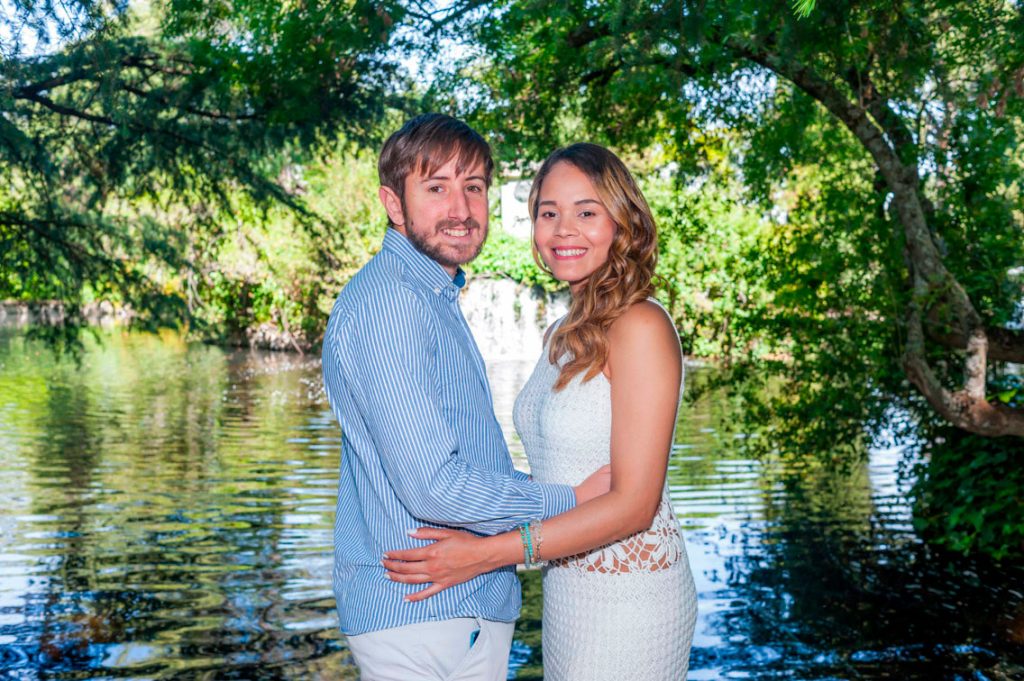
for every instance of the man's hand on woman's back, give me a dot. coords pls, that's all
(597, 483)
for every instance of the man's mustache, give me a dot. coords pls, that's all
(468, 223)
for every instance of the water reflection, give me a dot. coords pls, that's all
(167, 514)
(166, 510)
(811, 573)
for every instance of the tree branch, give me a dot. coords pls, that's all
(861, 83)
(967, 408)
(441, 19)
(213, 115)
(25, 91)
(140, 61)
(67, 111)
(962, 408)
(901, 179)
(1004, 345)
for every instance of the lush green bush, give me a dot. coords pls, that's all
(279, 270)
(509, 256)
(969, 496)
(706, 239)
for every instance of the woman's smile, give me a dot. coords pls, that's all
(573, 230)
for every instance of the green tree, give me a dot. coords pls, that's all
(881, 144)
(126, 134)
(881, 140)
(272, 279)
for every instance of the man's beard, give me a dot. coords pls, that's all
(441, 253)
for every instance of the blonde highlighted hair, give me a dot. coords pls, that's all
(625, 279)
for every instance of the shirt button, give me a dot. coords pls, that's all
(437, 289)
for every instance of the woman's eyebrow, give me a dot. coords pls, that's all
(550, 202)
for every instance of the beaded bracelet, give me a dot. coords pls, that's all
(534, 531)
(524, 535)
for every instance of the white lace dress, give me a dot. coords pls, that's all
(626, 610)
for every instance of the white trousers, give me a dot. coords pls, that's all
(435, 651)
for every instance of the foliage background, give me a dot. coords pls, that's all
(211, 166)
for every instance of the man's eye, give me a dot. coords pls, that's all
(436, 188)
(474, 188)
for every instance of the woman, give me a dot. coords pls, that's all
(619, 598)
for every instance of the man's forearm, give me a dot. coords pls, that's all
(485, 502)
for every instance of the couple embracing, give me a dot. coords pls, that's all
(432, 518)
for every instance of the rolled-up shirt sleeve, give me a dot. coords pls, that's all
(386, 355)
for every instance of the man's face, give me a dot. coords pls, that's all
(444, 215)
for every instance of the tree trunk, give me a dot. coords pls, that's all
(966, 408)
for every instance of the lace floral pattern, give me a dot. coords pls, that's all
(657, 548)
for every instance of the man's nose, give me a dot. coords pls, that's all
(458, 207)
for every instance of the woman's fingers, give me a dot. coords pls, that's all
(405, 567)
(408, 554)
(432, 533)
(426, 593)
(402, 578)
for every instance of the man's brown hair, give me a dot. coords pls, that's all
(427, 142)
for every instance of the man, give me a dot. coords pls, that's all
(420, 442)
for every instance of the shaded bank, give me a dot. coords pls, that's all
(54, 313)
(508, 319)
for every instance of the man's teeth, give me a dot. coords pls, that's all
(456, 232)
(569, 252)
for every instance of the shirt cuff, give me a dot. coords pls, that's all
(556, 499)
(521, 476)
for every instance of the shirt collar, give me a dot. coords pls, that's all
(422, 267)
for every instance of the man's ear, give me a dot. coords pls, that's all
(393, 205)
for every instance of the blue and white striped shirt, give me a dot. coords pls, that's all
(420, 442)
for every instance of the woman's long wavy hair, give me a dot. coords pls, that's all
(624, 279)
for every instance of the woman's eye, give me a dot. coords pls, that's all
(587, 214)
(548, 215)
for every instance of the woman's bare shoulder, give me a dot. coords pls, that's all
(645, 334)
(643, 320)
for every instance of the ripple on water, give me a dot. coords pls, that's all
(166, 511)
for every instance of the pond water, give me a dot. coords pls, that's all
(166, 510)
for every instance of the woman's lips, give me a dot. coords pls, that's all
(568, 253)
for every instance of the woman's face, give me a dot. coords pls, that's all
(573, 230)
